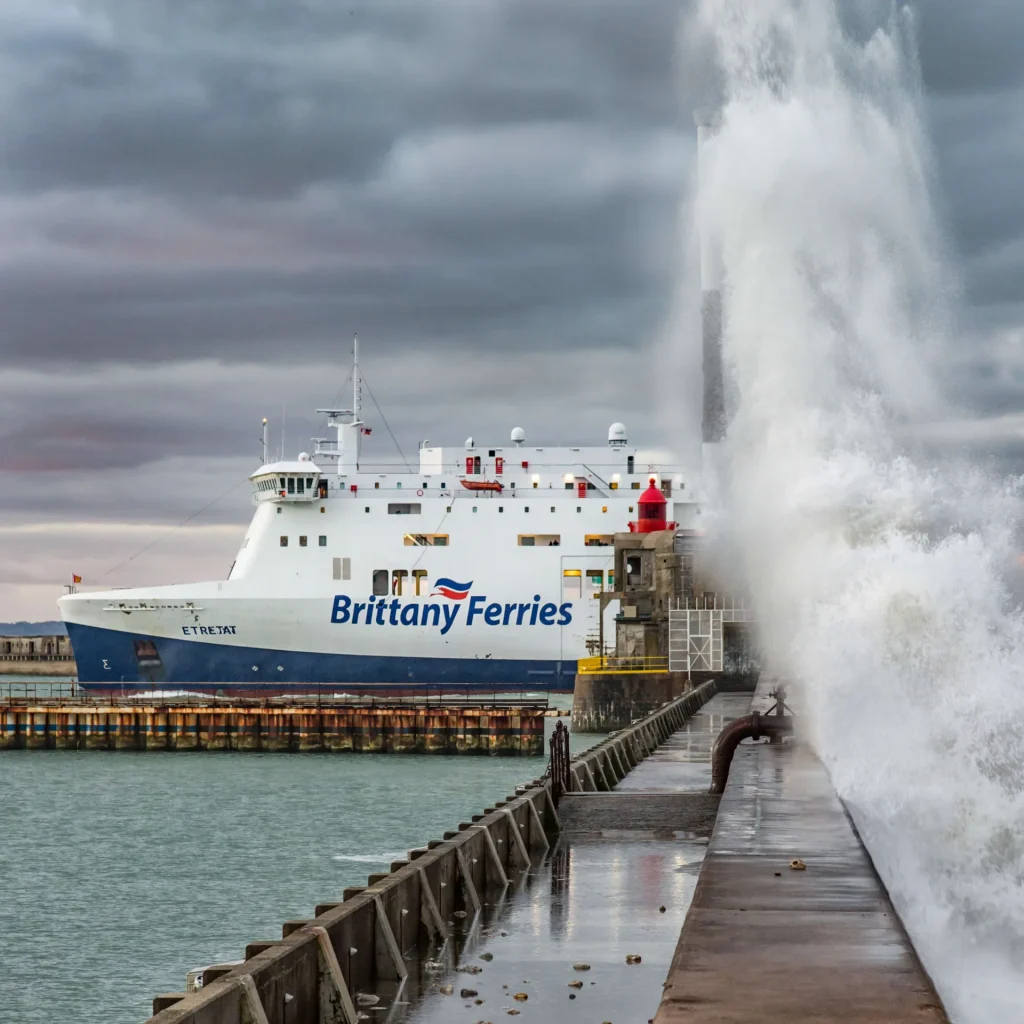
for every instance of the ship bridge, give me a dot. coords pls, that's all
(296, 481)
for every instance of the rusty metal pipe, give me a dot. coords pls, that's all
(753, 727)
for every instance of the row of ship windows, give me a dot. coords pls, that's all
(440, 540)
(403, 582)
(570, 485)
(289, 484)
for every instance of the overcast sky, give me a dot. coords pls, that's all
(201, 200)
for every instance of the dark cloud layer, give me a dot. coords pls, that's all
(201, 200)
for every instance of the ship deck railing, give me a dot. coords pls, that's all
(68, 694)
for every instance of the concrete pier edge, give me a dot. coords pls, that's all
(816, 940)
(413, 901)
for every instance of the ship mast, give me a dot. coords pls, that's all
(357, 383)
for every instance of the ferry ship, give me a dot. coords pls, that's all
(476, 570)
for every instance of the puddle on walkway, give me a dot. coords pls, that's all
(591, 901)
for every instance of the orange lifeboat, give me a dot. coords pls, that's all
(482, 485)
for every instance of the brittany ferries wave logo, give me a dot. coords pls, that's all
(379, 611)
(449, 588)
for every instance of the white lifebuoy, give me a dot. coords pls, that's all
(419, 493)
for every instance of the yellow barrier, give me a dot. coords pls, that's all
(589, 666)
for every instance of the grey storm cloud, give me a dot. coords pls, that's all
(201, 200)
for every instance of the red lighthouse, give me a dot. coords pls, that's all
(651, 512)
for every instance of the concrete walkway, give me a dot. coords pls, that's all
(764, 942)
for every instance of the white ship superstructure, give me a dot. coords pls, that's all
(477, 568)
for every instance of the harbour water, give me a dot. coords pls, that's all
(118, 877)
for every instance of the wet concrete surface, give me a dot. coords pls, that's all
(683, 762)
(764, 941)
(590, 902)
(596, 899)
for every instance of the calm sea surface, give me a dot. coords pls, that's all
(120, 872)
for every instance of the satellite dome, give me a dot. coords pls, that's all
(617, 434)
(303, 456)
(518, 435)
(469, 443)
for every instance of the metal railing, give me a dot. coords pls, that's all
(607, 663)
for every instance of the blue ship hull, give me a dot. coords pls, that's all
(110, 660)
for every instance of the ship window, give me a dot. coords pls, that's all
(336, 568)
(572, 584)
(448, 508)
(527, 509)
(611, 579)
(322, 509)
(636, 485)
(323, 540)
(284, 541)
(552, 508)
(366, 509)
(501, 508)
(302, 539)
(474, 508)
(629, 464)
(418, 575)
(403, 508)
(397, 576)
(291, 485)
(376, 485)
(599, 540)
(279, 510)
(342, 568)
(595, 577)
(300, 485)
(579, 508)
(444, 486)
(399, 485)
(426, 540)
(539, 540)
(569, 486)
(380, 582)
(424, 485)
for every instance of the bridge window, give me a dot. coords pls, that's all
(380, 582)
(397, 578)
(280, 481)
(291, 484)
(300, 485)
(419, 575)
(426, 540)
(309, 483)
(284, 541)
(403, 508)
(572, 584)
(599, 540)
(539, 540)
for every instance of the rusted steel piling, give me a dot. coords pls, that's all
(500, 730)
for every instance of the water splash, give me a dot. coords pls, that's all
(883, 582)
